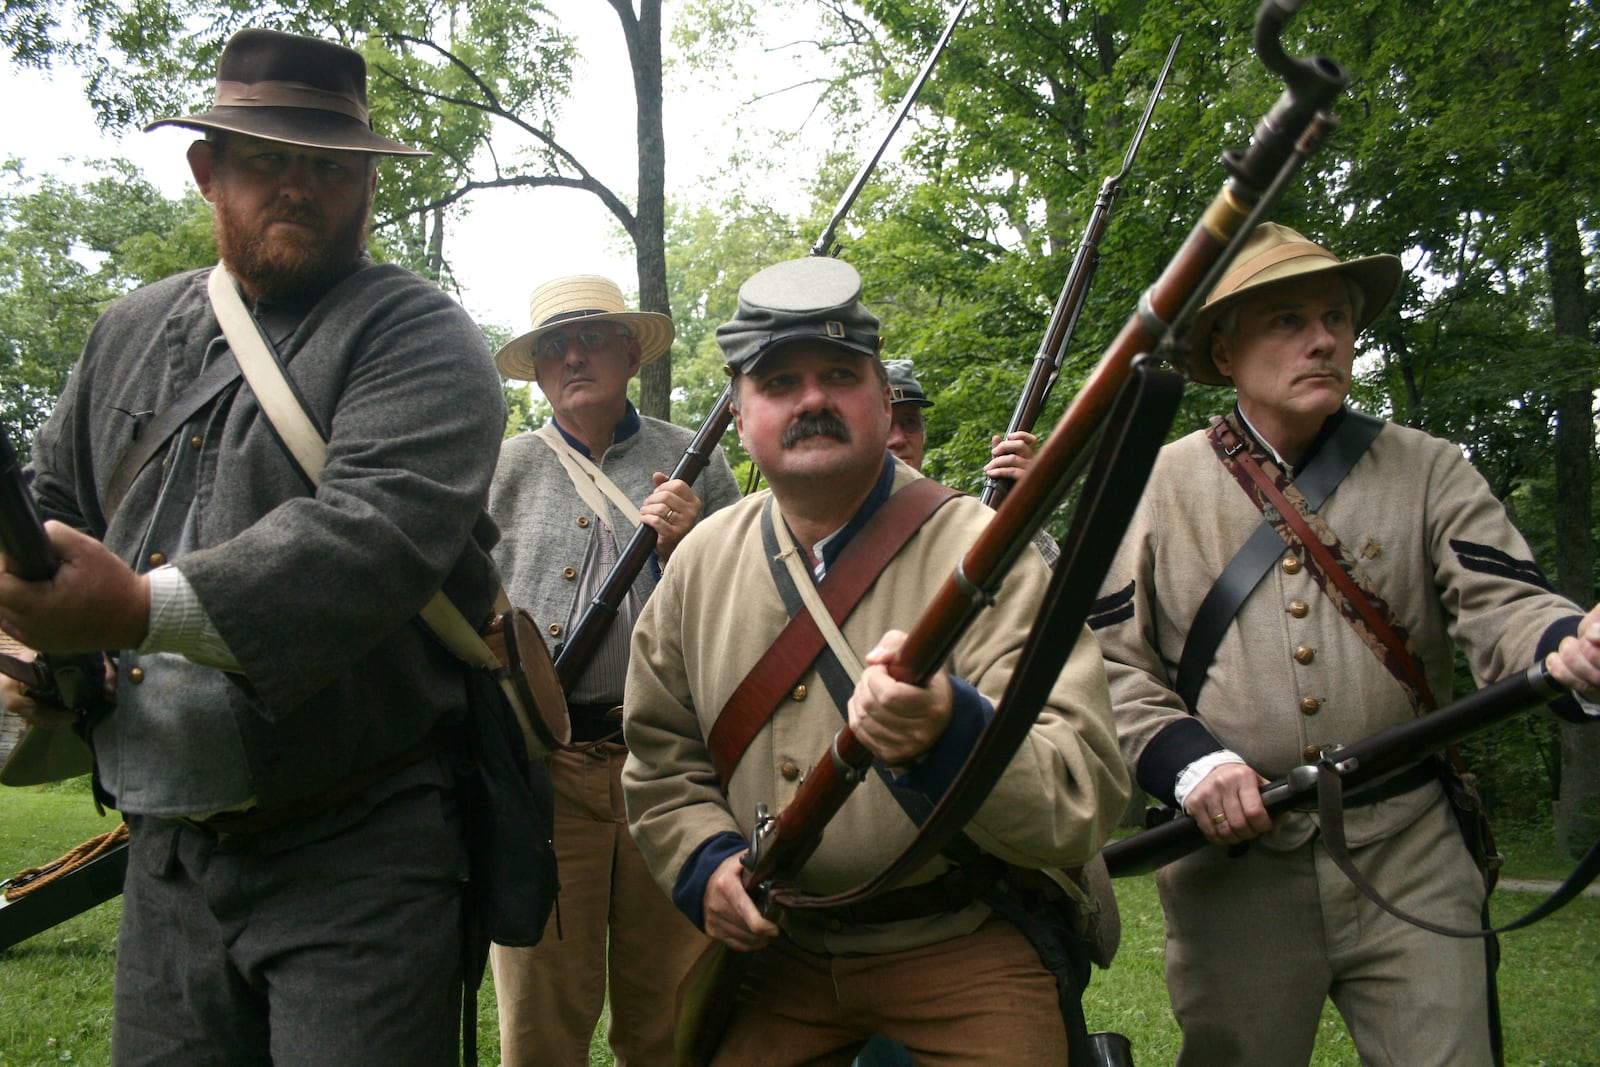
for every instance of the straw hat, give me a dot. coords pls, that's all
(587, 297)
(1276, 253)
(298, 90)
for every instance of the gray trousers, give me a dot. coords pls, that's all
(1255, 944)
(343, 948)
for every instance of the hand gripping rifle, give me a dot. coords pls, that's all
(1074, 294)
(76, 681)
(1374, 757)
(584, 638)
(1289, 133)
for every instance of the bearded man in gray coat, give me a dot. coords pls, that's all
(1258, 938)
(284, 738)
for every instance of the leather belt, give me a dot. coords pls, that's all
(951, 891)
(1404, 782)
(592, 723)
(253, 821)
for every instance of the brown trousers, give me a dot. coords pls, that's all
(614, 921)
(980, 999)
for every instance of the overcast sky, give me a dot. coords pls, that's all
(513, 239)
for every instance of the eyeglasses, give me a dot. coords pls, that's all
(592, 339)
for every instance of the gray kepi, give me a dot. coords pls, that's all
(298, 90)
(903, 385)
(811, 299)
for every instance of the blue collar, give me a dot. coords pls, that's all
(626, 427)
(834, 543)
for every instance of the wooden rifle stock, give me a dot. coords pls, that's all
(1074, 294)
(1373, 757)
(73, 681)
(585, 637)
(1287, 135)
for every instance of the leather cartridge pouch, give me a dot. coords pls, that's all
(514, 639)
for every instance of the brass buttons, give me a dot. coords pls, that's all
(1311, 753)
(569, 573)
(1310, 706)
(1291, 565)
(1304, 654)
(196, 441)
(1299, 608)
(799, 692)
(157, 559)
(136, 675)
(583, 522)
(789, 769)
(554, 629)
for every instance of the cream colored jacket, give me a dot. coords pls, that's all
(716, 612)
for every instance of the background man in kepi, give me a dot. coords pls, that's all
(1256, 942)
(908, 430)
(281, 744)
(567, 499)
(931, 969)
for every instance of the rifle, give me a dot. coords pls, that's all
(1373, 757)
(1288, 135)
(585, 637)
(1069, 305)
(74, 681)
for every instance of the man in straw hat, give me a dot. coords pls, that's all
(567, 498)
(280, 744)
(929, 966)
(1214, 702)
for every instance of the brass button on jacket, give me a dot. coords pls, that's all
(1310, 706)
(1291, 565)
(554, 629)
(583, 522)
(569, 573)
(157, 559)
(799, 692)
(196, 441)
(1304, 654)
(789, 769)
(1311, 753)
(136, 675)
(1299, 608)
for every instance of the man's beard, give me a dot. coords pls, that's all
(288, 264)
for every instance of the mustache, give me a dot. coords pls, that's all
(1327, 368)
(300, 213)
(820, 424)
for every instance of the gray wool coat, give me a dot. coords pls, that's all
(314, 592)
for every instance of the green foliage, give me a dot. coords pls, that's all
(66, 251)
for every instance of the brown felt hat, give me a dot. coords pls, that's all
(1276, 253)
(298, 90)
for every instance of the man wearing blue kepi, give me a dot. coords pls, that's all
(931, 964)
(285, 736)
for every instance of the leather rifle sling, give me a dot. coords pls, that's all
(759, 695)
(1338, 455)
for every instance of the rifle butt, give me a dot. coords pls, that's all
(706, 999)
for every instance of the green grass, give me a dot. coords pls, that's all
(56, 1002)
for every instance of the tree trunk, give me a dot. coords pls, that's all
(1578, 806)
(649, 241)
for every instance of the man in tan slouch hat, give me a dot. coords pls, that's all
(1235, 653)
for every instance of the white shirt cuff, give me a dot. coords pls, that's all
(1196, 772)
(179, 623)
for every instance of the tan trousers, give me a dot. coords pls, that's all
(550, 996)
(980, 999)
(1256, 943)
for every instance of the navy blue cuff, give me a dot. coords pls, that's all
(689, 893)
(1566, 705)
(970, 712)
(1172, 749)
